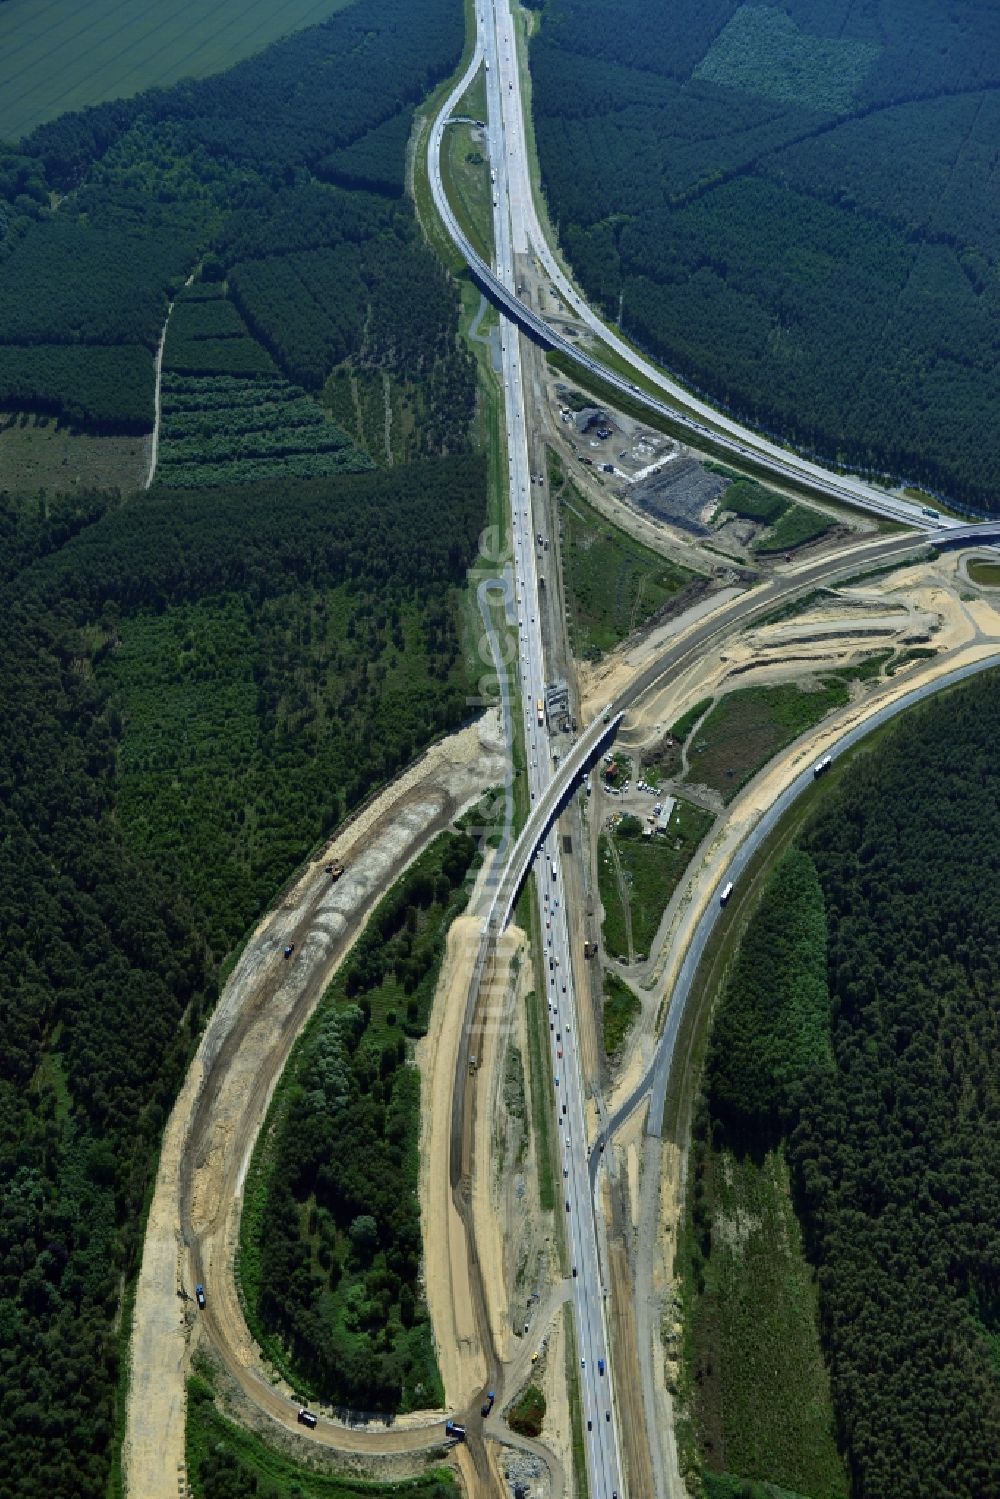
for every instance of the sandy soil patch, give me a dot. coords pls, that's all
(460, 1355)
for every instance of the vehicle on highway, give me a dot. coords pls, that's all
(822, 765)
(306, 1417)
(600, 1366)
(199, 1292)
(727, 892)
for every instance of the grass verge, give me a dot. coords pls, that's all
(465, 173)
(527, 1414)
(614, 929)
(542, 1101)
(621, 1006)
(579, 1485)
(613, 583)
(420, 187)
(747, 728)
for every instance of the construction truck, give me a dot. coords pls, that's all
(487, 1405)
(452, 1429)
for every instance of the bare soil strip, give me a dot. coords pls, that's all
(194, 1217)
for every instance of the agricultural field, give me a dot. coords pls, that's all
(58, 57)
(613, 583)
(789, 206)
(638, 876)
(37, 452)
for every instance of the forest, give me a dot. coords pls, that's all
(200, 681)
(857, 1037)
(310, 649)
(791, 208)
(281, 178)
(331, 1253)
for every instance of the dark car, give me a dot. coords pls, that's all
(199, 1292)
(307, 1418)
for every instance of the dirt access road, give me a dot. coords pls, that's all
(193, 1225)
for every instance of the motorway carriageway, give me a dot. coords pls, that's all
(600, 1437)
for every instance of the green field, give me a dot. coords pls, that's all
(613, 583)
(527, 1414)
(621, 1006)
(746, 728)
(788, 525)
(987, 574)
(651, 869)
(52, 59)
(795, 528)
(465, 169)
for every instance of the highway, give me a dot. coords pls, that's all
(515, 227)
(588, 1302)
(604, 1469)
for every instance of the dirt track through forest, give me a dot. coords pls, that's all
(194, 1216)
